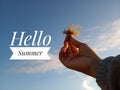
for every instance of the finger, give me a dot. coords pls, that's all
(74, 49)
(66, 45)
(63, 50)
(68, 51)
(67, 39)
(62, 55)
(75, 42)
(65, 58)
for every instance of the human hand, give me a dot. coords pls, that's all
(77, 55)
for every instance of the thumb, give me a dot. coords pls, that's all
(75, 42)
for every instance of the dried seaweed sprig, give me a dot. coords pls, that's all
(73, 30)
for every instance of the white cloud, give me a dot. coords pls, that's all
(107, 36)
(87, 84)
(102, 38)
(84, 82)
(38, 66)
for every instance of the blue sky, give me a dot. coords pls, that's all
(101, 31)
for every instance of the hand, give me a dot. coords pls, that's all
(77, 56)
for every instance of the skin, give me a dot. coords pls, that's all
(79, 56)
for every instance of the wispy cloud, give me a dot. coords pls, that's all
(106, 37)
(84, 82)
(87, 84)
(38, 66)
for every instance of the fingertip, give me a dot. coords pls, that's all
(67, 39)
